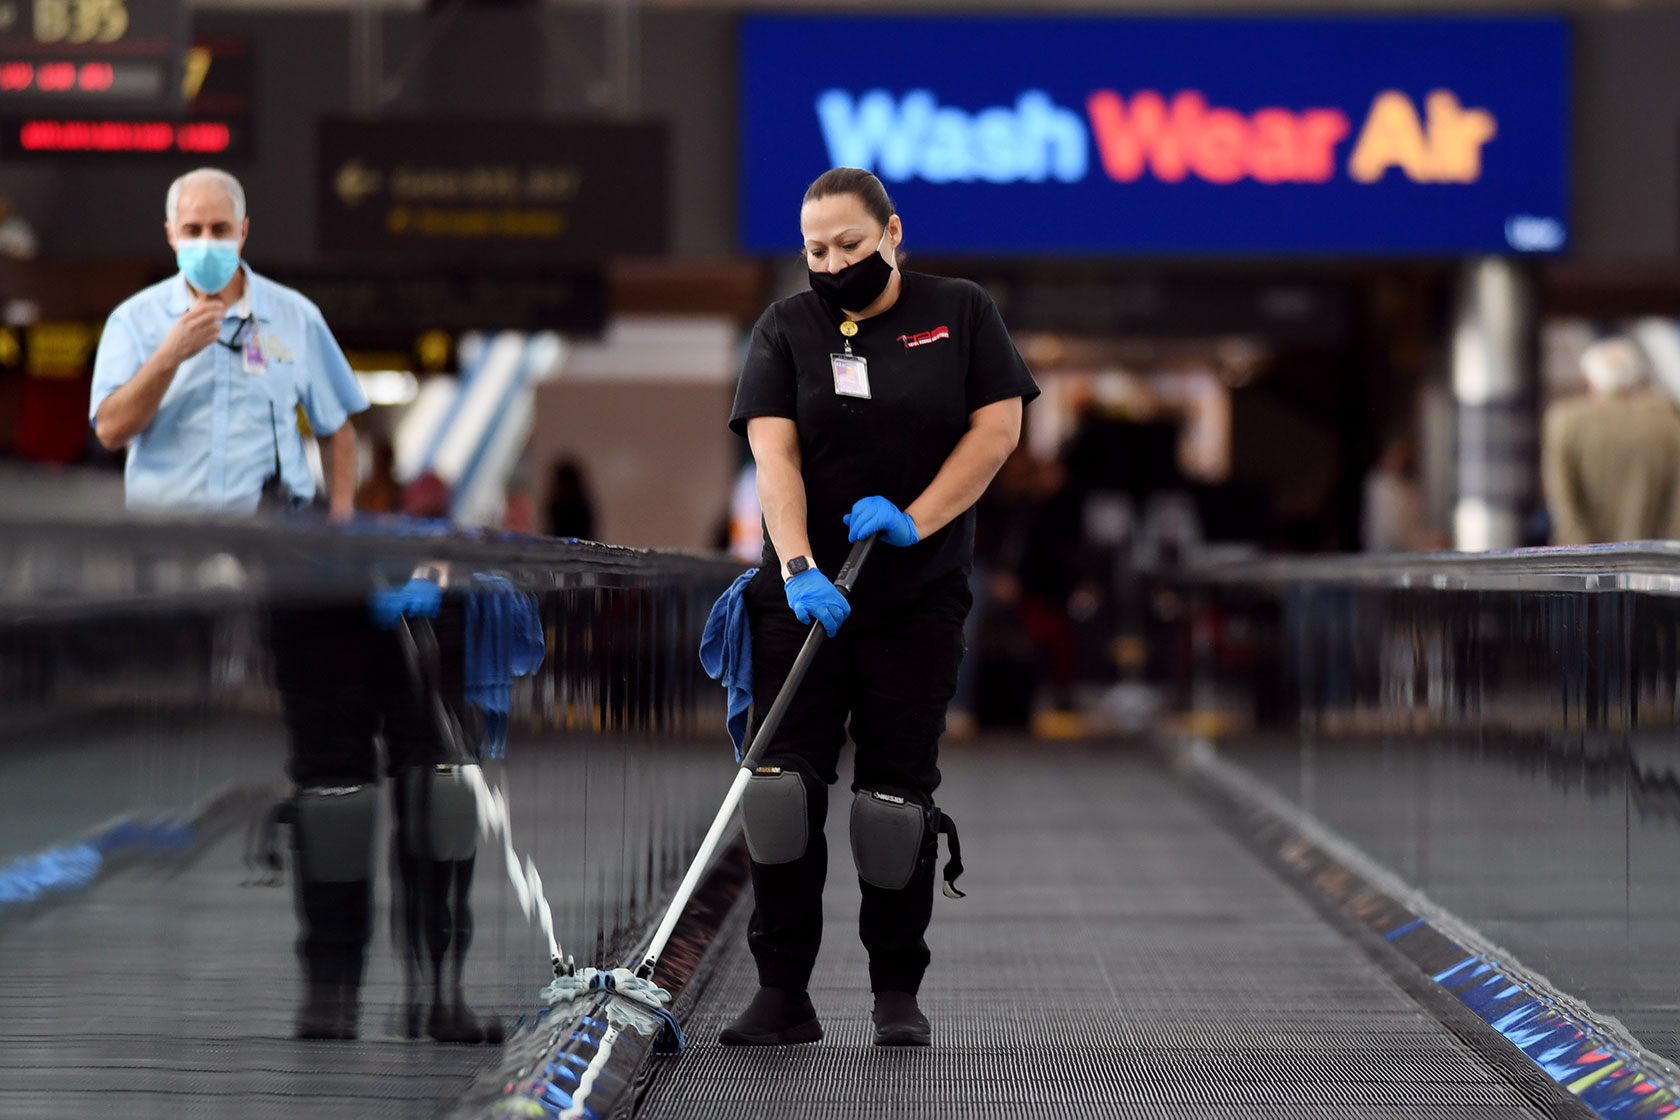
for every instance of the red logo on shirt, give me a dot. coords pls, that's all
(911, 341)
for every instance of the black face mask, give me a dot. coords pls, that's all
(857, 285)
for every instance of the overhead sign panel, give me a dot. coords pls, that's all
(1165, 136)
(380, 307)
(492, 192)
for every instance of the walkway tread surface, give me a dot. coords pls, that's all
(1119, 955)
(170, 990)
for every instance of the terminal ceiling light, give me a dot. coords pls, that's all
(389, 386)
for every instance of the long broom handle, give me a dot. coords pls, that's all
(844, 580)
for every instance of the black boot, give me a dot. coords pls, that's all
(899, 1022)
(451, 933)
(350, 1011)
(318, 1017)
(435, 930)
(332, 946)
(329, 1011)
(457, 1023)
(775, 1017)
(332, 891)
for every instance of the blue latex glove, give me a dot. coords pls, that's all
(877, 515)
(418, 598)
(814, 598)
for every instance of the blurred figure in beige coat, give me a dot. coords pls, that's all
(1610, 460)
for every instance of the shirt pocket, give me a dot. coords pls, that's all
(278, 383)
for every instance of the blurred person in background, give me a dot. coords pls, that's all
(202, 374)
(17, 237)
(427, 497)
(1028, 546)
(1610, 460)
(1391, 517)
(740, 528)
(880, 401)
(380, 492)
(1048, 575)
(519, 505)
(571, 512)
(999, 666)
(519, 511)
(1037, 571)
(745, 537)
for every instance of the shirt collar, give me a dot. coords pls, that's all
(252, 302)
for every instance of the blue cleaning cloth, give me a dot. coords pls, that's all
(671, 1039)
(726, 654)
(504, 640)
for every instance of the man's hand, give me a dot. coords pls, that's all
(196, 329)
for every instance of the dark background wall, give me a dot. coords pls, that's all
(1627, 136)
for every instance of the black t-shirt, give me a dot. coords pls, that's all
(938, 354)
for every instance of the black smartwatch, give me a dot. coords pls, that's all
(796, 565)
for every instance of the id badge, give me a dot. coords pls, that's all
(851, 375)
(255, 360)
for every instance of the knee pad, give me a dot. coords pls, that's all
(888, 837)
(440, 812)
(775, 815)
(333, 832)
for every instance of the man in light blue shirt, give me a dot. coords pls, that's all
(202, 375)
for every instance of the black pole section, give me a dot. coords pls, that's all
(420, 649)
(845, 580)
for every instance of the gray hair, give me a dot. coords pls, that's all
(172, 202)
(1613, 365)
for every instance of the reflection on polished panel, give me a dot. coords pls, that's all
(1500, 733)
(241, 867)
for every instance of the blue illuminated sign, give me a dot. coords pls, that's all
(1202, 136)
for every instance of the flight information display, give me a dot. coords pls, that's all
(79, 54)
(217, 88)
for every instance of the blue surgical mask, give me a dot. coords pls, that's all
(207, 262)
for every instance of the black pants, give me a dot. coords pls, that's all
(891, 670)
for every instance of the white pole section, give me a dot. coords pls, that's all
(695, 870)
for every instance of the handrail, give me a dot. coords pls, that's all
(1641, 566)
(144, 563)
